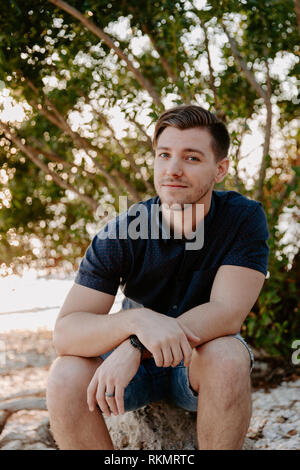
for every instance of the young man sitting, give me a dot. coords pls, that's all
(189, 280)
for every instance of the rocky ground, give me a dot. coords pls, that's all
(24, 422)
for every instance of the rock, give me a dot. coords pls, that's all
(24, 420)
(158, 426)
(12, 445)
(45, 435)
(36, 446)
(248, 444)
(4, 415)
(27, 430)
(30, 403)
(275, 422)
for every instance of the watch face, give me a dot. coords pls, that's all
(134, 340)
(136, 343)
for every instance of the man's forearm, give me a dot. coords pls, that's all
(89, 334)
(210, 321)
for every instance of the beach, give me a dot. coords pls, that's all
(28, 312)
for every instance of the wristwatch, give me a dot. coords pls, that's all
(137, 344)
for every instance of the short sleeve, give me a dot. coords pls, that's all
(104, 264)
(250, 248)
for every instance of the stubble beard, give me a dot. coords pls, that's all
(188, 199)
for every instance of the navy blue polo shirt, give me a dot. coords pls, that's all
(161, 273)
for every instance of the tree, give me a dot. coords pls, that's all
(69, 64)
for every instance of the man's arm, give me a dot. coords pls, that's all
(83, 326)
(234, 292)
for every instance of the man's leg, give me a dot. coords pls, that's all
(219, 372)
(73, 426)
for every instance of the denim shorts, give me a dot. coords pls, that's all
(152, 383)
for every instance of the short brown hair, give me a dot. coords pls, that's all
(188, 116)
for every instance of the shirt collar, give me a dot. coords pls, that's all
(164, 234)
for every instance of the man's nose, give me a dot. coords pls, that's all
(174, 167)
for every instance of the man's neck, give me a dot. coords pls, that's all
(184, 222)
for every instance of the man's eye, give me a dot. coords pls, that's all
(193, 158)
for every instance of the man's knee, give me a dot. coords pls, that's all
(69, 377)
(223, 360)
(226, 352)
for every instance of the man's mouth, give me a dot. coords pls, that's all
(174, 185)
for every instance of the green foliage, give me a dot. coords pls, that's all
(275, 321)
(39, 41)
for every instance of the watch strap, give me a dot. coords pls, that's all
(137, 344)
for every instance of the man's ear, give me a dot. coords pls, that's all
(222, 169)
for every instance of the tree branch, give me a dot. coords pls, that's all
(239, 183)
(283, 195)
(248, 74)
(144, 82)
(220, 113)
(142, 130)
(81, 142)
(211, 76)
(55, 158)
(59, 181)
(165, 64)
(127, 155)
(297, 10)
(266, 95)
(266, 150)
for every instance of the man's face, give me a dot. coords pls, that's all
(185, 169)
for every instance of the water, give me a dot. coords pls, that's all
(30, 302)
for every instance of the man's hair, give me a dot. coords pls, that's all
(189, 116)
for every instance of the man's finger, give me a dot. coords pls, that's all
(91, 392)
(187, 351)
(177, 354)
(167, 356)
(111, 401)
(119, 396)
(101, 399)
(158, 357)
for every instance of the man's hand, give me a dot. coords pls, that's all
(165, 337)
(113, 376)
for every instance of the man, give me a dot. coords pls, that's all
(187, 293)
